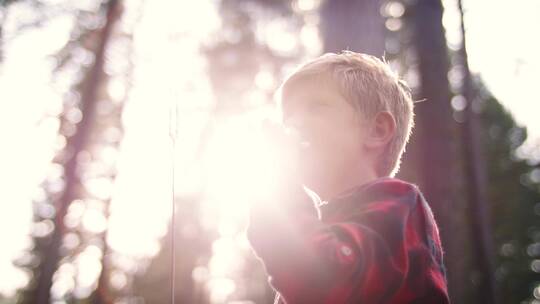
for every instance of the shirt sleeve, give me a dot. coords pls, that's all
(363, 257)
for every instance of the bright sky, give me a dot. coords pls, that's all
(502, 48)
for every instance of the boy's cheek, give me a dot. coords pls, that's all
(314, 161)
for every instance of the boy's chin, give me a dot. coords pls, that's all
(311, 179)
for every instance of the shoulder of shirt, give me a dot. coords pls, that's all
(384, 188)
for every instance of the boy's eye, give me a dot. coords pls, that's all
(312, 103)
(316, 105)
(319, 103)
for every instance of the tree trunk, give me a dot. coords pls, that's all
(477, 180)
(436, 136)
(76, 143)
(353, 25)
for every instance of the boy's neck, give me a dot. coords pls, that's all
(347, 183)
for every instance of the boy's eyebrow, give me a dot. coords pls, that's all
(307, 101)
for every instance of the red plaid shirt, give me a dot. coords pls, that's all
(377, 244)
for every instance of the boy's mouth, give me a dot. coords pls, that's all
(298, 138)
(304, 144)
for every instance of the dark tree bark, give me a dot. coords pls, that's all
(75, 144)
(353, 25)
(476, 173)
(436, 138)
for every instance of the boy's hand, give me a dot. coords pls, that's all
(284, 145)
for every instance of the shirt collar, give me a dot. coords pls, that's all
(352, 192)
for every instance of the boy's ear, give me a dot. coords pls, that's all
(381, 130)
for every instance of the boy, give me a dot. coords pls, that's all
(371, 238)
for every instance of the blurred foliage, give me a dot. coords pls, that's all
(89, 135)
(193, 252)
(238, 55)
(514, 194)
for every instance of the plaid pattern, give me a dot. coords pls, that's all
(376, 244)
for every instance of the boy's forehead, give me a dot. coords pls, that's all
(310, 88)
(300, 92)
(307, 85)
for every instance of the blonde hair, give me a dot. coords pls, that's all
(370, 85)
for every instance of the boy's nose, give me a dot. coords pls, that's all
(297, 138)
(295, 121)
(293, 133)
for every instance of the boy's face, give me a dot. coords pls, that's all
(331, 131)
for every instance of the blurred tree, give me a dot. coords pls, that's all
(235, 56)
(77, 125)
(245, 59)
(514, 196)
(353, 25)
(247, 51)
(193, 250)
(107, 133)
(3, 10)
(435, 144)
(476, 177)
(41, 13)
